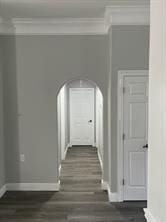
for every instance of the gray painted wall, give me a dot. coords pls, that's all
(37, 66)
(10, 110)
(130, 51)
(2, 152)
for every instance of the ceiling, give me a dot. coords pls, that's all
(61, 8)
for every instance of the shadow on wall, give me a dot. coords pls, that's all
(11, 138)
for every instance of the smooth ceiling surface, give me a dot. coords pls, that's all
(60, 9)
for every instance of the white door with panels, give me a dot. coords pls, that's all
(82, 116)
(135, 141)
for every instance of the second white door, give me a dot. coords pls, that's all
(135, 137)
(82, 116)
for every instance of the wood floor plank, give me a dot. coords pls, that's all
(80, 198)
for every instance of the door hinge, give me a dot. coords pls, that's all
(123, 182)
(123, 136)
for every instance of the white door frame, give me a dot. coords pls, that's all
(120, 152)
(93, 139)
(62, 122)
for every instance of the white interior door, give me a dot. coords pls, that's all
(135, 108)
(82, 116)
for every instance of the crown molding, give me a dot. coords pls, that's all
(87, 26)
(114, 15)
(6, 27)
(73, 2)
(128, 15)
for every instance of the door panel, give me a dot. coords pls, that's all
(82, 116)
(138, 128)
(137, 172)
(135, 108)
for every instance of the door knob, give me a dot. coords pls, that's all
(90, 121)
(145, 146)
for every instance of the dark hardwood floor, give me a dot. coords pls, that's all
(79, 200)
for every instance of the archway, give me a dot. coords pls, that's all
(65, 123)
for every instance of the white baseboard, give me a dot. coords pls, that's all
(2, 191)
(67, 147)
(100, 159)
(104, 185)
(33, 186)
(149, 217)
(113, 197)
(60, 169)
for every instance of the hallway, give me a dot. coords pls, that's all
(79, 200)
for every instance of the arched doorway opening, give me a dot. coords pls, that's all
(80, 117)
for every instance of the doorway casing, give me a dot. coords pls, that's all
(104, 122)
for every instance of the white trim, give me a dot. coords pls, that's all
(33, 186)
(70, 145)
(121, 75)
(62, 121)
(6, 27)
(68, 2)
(88, 26)
(113, 197)
(128, 15)
(114, 15)
(29, 187)
(109, 193)
(100, 159)
(65, 153)
(3, 191)
(60, 167)
(104, 185)
(149, 217)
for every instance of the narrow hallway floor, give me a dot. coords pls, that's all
(80, 198)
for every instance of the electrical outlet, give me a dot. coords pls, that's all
(22, 157)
